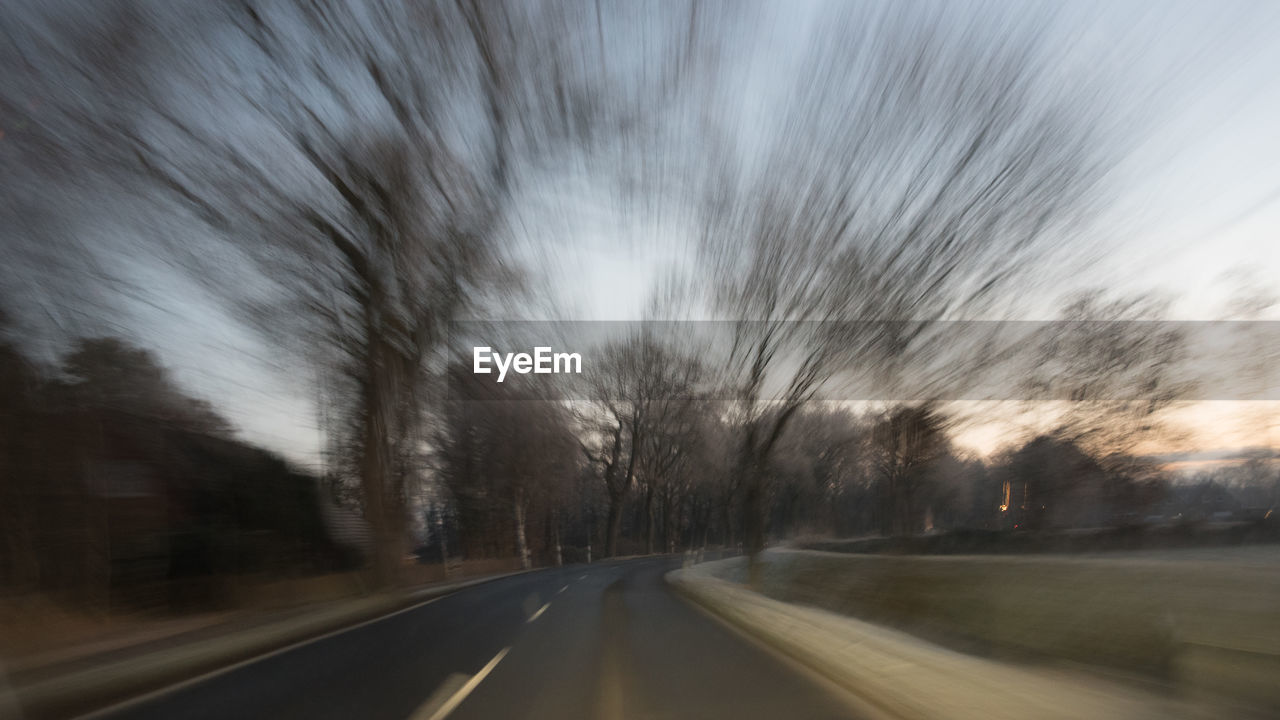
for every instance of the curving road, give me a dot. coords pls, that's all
(608, 641)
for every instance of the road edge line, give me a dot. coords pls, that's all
(180, 684)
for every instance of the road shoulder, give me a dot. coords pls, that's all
(905, 677)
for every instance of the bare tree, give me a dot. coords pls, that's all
(916, 174)
(636, 422)
(310, 139)
(347, 167)
(903, 445)
(817, 461)
(506, 455)
(670, 436)
(616, 430)
(1114, 364)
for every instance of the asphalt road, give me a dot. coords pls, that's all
(608, 641)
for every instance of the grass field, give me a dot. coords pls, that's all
(1199, 620)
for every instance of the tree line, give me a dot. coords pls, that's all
(650, 463)
(120, 490)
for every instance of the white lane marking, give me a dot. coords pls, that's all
(456, 699)
(443, 694)
(582, 577)
(538, 614)
(566, 587)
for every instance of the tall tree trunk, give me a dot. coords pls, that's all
(669, 524)
(522, 545)
(753, 521)
(753, 510)
(559, 549)
(381, 496)
(887, 512)
(726, 518)
(375, 463)
(908, 510)
(648, 520)
(614, 527)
